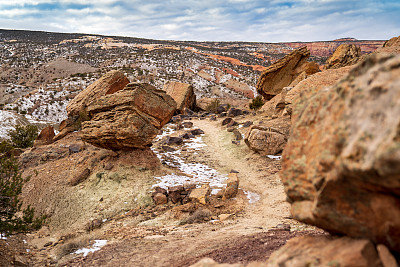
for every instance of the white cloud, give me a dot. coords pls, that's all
(17, 12)
(245, 20)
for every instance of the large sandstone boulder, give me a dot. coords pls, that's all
(283, 72)
(129, 118)
(391, 46)
(341, 165)
(270, 138)
(395, 41)
(110, 83)
(307, 251)
(45, 137)
(312, 84)
(182, 93)
(344, 55)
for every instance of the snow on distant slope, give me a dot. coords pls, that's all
(8, 120)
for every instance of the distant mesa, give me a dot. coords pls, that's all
(345, 39)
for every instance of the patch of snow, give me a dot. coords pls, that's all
(98, 244)
(7, 122)
(196, 143)
(195, 172)
(274, 157)
(2, 236)
(251, 196)
(167, 130)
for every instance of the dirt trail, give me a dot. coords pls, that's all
(255, 176)
(174, 245)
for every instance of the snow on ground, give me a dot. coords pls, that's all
(196, 143)
(166, 131)
(7, 122)
(195, 173)
(98, 244)
(274, 157)
(251, 196)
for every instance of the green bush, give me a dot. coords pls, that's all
(23, 136)
(12, 217)
(256, 103)
(5, 146)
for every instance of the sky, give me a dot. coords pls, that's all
(209, 20)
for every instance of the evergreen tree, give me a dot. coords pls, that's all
(11, 183)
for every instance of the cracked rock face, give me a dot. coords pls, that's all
(293, 67)
(182, 93)
(129, 118)
(341, 165)
(344, 55)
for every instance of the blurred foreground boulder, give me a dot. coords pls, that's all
(341, 165)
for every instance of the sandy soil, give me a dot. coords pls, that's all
(176, 245)
(115, 205)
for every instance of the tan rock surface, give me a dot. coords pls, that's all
(110, 83)
(182, 93)
(200, 194)
(344, 55)
(387, 259)
(312, 83)
(341, 164)
(283, 72)
(232, 186)
(208, 262)
(268, 139)
(391, 46)
(323, 251)
(129, 118)
(45, 137)
(395, 41)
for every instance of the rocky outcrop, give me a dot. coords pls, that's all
(341, 165)
(391, 46)
(324, 251)
(281, 104)
(110, 83)
(270, 138)
(395, 41)
(129, 118)
(45, 137)
(283, 72)
(182, 93)
(344, 55)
